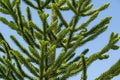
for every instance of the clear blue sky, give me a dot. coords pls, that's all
(99, 66)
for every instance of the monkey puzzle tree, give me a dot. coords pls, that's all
(40, 57)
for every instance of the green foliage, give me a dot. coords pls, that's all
(40, 56)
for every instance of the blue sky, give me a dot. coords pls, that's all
(99, 66)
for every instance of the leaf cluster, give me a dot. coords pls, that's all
(43, 41)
